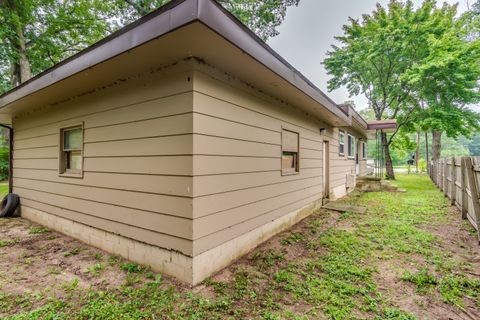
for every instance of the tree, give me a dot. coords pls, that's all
(471, 21)
(382, 57)
(36, 34)
(261, 16)
(446, 82)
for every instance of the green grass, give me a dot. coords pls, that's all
(38, 230)
(3, 189)
(333, 273)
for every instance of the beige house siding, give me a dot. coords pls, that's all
(186, 160)
(238, 184)
(138, 166)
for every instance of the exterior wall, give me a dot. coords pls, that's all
(343, 168)
(182, 169)
(137, 175)
(238, 184)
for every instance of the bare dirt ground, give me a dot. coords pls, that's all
(329, 266)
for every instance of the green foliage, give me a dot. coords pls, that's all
(131, 267)
(6, 243)
(423, 279)
(4, 159)
(95, 269)
(292, 238)
(339, 279)
(416, 65)
(37, 34)
(38, 230)
(72, 252)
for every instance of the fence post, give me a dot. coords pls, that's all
(474, 191)
(464, 188)
(453, 187)
(445, 181)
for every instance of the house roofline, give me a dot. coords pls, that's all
(166, 19)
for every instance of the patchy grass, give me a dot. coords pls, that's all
(38, 230)
(3, 189)
(410, 256)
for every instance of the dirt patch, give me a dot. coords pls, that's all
(454, 238)
(35, 260)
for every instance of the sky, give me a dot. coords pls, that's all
(308, 31)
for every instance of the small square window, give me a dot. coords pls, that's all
(341, 142)
(290, 148)
(71, 152)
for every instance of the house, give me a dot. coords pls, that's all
(182, 141)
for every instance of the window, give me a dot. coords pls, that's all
(351, 146)
(289, 152)
(71, 150)
(341, 142)
(364, 150)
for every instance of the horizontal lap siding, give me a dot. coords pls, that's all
(138, 162)
(340, 165)
(238, 185)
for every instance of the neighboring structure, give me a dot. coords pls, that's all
(181, 141)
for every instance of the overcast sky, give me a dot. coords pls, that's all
(309, 29)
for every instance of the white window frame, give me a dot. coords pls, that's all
(62, 170)
(364, 150)
(351, 156)
(341, 133)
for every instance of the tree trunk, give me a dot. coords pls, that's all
(416, 151)
(436, 144)
(23, 62)
(20, 68)
(426, 152)
(388, 158)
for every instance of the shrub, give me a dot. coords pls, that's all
(4, 156)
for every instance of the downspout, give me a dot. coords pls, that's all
(10, 157)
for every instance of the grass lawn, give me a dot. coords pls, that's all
(409, 256)
(3, 189)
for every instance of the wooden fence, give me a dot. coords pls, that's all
(459, 179)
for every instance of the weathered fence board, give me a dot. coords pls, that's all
(459, 180)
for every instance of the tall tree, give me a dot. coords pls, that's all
(446, 82)
(261, 16)
(381, 57)
(36, 34)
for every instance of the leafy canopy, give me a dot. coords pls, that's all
(36, 34)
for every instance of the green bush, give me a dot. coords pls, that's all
(4, 155)
(422, 165)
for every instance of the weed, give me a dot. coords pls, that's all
(113, 259)
(292, 238)
(423, 279)
(95, 269)
(6, 243)
(131, 267)
(72, 285)
(72, 252)
(38, 230)
(54, 270)
(268, 258)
